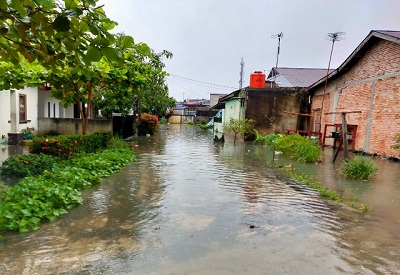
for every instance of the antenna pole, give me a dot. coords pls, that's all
(279, 36)
(241, 74)
(336, 36)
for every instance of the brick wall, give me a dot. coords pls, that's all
(371, 86)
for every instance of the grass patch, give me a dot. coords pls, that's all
(324, 191)
(295, 146)
(358, 168)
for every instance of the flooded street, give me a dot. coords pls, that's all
(192, 206)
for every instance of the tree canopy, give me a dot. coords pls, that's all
(47, 30)
(68, 44)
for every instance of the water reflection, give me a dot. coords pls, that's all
(189, 206)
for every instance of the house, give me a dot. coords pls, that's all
(191, 110)
(34, 108)
(275, 108)
(367, 87)
(19, 110)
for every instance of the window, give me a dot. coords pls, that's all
(22, 108)
(48, 109)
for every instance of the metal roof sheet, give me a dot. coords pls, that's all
(297, 77)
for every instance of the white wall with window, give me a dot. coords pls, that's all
(52, 108)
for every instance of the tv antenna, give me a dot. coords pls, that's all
(279, 36)
(241, 74)
(332, 36)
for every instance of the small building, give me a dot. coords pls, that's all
(275, 108)
(367, 85)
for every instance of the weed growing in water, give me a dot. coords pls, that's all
(358, 168)
(298, 147)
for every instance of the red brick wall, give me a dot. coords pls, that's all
(380, 66)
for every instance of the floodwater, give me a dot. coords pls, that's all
(191, 206)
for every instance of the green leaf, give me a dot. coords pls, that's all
(61, 23)
(144, 49)
(17, 5)
(94, 54)
(70, 4)
(111, 54)
(3, 4)
(45, 3)
(127, 41)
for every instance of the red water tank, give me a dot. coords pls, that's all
(257, 80)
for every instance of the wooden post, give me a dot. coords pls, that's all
(344, 137)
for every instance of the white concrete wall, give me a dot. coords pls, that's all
(5, 126)
(57, 110)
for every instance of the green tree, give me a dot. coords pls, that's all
(47, 30)
(238, 126)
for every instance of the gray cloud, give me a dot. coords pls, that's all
(208, 38)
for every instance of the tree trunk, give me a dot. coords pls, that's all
(79, 103)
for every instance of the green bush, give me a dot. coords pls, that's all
(148, 124)
(359, 168)
(27, 165)
(295, 146)
(51, 194)
(65, 146)
(268, 140)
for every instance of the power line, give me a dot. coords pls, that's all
(199, 81)
(186, 88)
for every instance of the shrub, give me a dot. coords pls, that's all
(27, 165)
(358, 168)
(51, 194)
(298, 147)
(148, 124)
(268, 140)
(238, 126)
(65, 146)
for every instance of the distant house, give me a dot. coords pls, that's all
(277, 107)
(191, 110)
(368, 82)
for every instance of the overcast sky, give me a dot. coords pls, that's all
(208, 38)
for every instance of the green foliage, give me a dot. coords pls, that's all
(48, 30)
(324, 192)
(238, 126)
(148, 124)
(295, 146)
(268, 140)
(206, 127)
(27, 165)
(65, 146)
(52, 193)
(3, 188)
(359, 168)
(397, 141)
(298, 147)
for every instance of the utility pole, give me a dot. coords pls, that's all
(279, 36)
(335, 36)
(241, 74)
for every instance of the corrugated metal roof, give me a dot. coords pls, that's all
(391, 33)
(297, 77)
